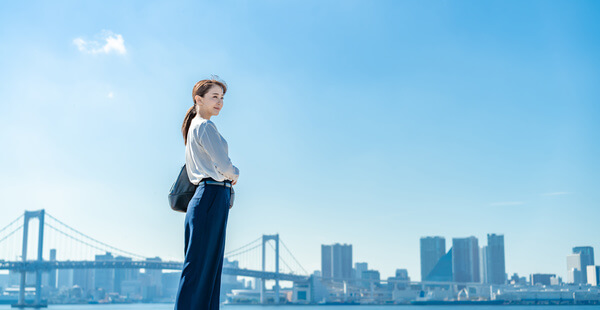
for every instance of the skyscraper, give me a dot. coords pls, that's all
(152, 280)
(65, 278)
(104, 277)
(587, 259)
(442, 271)
(465, 259)
(574, 272)
(593, 275)
(360, 267)
(53, 272)
(432, 249)
(336, 261)
(84, 278)
(496, 269)
(483, 264)
(122, 274)
(326, 261)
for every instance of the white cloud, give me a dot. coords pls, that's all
(556, 193)
(507, 203)
(106, 43)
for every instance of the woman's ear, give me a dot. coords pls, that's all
(198, 99)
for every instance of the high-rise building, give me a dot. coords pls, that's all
(84, 278)
(346, 261)
(495, 265)
(442, 271)
(587, 259)
(483, 264)
(432, 249)
(152, 281)
(124, 274)
(465, 259)
(326, 261)
(593, 275)
(105, 277)
(359, 268)
(336, 261)
(65, 278)
(52, 273)
(574, 271)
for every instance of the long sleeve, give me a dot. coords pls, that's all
(216, 147)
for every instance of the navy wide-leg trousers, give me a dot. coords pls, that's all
(205, 224)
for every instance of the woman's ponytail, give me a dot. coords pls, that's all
(187, 121)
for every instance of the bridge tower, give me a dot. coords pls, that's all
(265, 239)
(38, 274)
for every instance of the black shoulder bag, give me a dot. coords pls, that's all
(181, 192)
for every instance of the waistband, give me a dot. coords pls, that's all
(211, 181)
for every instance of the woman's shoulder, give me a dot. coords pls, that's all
(200, 124)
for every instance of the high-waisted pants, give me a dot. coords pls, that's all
(205, 223)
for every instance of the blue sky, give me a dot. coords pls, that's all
(365, 122)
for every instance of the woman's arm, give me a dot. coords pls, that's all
(216, 147)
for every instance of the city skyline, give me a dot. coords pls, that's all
(471, 118)
(471, 263)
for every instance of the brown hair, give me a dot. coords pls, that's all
(200, 89)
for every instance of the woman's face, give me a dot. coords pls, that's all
(211, 103)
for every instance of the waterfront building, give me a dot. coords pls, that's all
(593, 275)
(104, 277)
(336, 261)
(170, 285)
(515, 279)
(542, 279)
(53, 272)
(564, 295)
(483, 264)
(465, 259)
(586, 259)
(228, 282)
(442, 271)
(122, 274)
(402, 274)
(432, 249)
(318, 290)
(3, 281)
(574, 271)
(359, 268)
(372, 275)
(400, 281)
(84, 278)
(152, 281)
(326, 261)
(495, 264)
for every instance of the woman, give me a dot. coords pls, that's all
(208, 165)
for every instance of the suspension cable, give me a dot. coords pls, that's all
(238, 249)
(102, 243)
(283, 260)
(5, 227)
(250, 249)
(12, 232)
(297, 262)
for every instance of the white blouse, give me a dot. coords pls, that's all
(206, 153)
